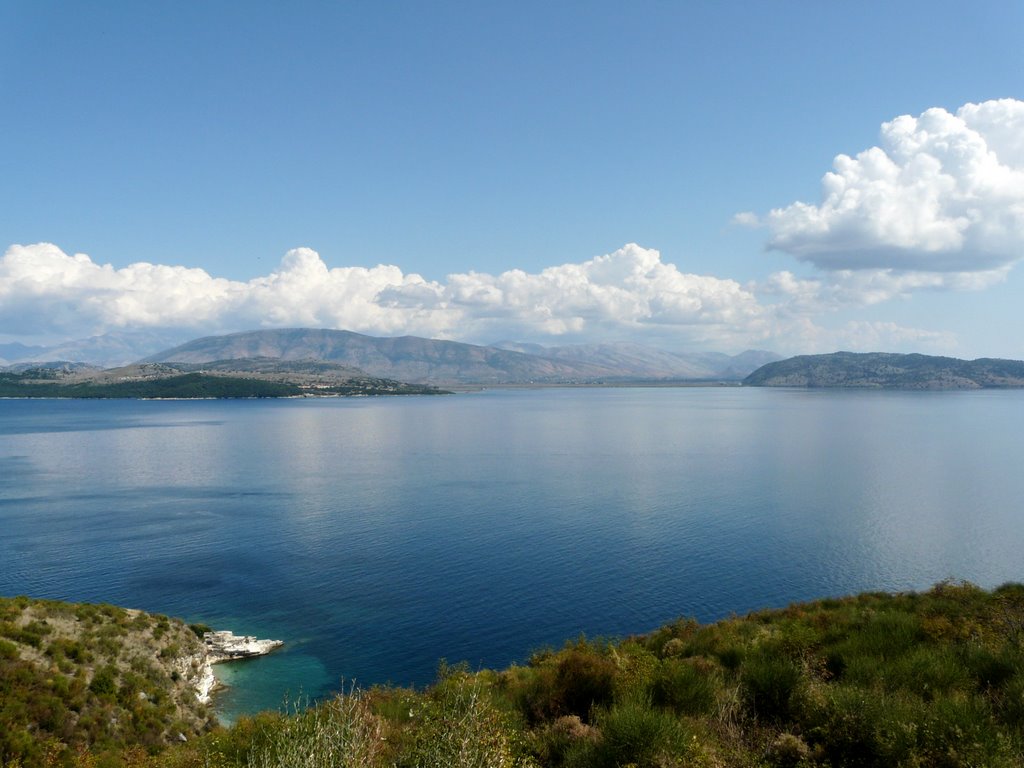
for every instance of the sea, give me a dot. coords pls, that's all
(379, 535)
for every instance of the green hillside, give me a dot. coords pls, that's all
(94, 679)
(906, 680)
(879, 370)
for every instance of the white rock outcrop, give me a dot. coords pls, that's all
(226, 646)
(221, 646)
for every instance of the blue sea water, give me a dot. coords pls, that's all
(378, 535)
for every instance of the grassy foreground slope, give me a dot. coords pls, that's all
(932, 679)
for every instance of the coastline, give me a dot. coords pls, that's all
(220, 646)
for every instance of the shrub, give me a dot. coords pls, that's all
(673, 648)
(769, 684)
(680, 686)
(961, 733)
(338, 734)
(1010, 705)
(859, 728)
(457, 726)
(730, 657)
(635, 670)
(552, 744)
(573, 682)
(788, 751)
(990, 670)
(170, 651)
(887, 634)
(931, 671)
(104, 681)
(631, 733)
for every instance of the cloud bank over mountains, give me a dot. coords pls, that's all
(628, 294)
(939, 205)
(45, 291)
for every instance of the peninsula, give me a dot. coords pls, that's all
(244, 378)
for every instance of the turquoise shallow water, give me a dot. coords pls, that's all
(376, 536)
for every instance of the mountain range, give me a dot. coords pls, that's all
(418, 360)
(110, 350)
(294, 354)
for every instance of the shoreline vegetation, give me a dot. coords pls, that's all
(241, 379)
(876, 679)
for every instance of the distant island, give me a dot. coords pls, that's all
(249, 378)
(879, 370)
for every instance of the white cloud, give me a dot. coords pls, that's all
(943, 194)
(747, 219)
(45, 291)
(42, 289)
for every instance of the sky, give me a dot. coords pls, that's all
(793, 176)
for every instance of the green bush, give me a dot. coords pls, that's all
(339, 734)
(886, 635)
(457, 726)
(571, 682)
(961, 733)
(630, 733)
(788, 751)
(681, 687)
(855, 727)
(931, 671)
(1010, 704)
(8, 650)
(991, 670)
(170, 651)
(769, 684)
(104, 681)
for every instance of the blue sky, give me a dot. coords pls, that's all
(260, 160)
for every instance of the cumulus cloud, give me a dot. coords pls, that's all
(942, 194)
(45, 291)
(42, 290)
(630, 288)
